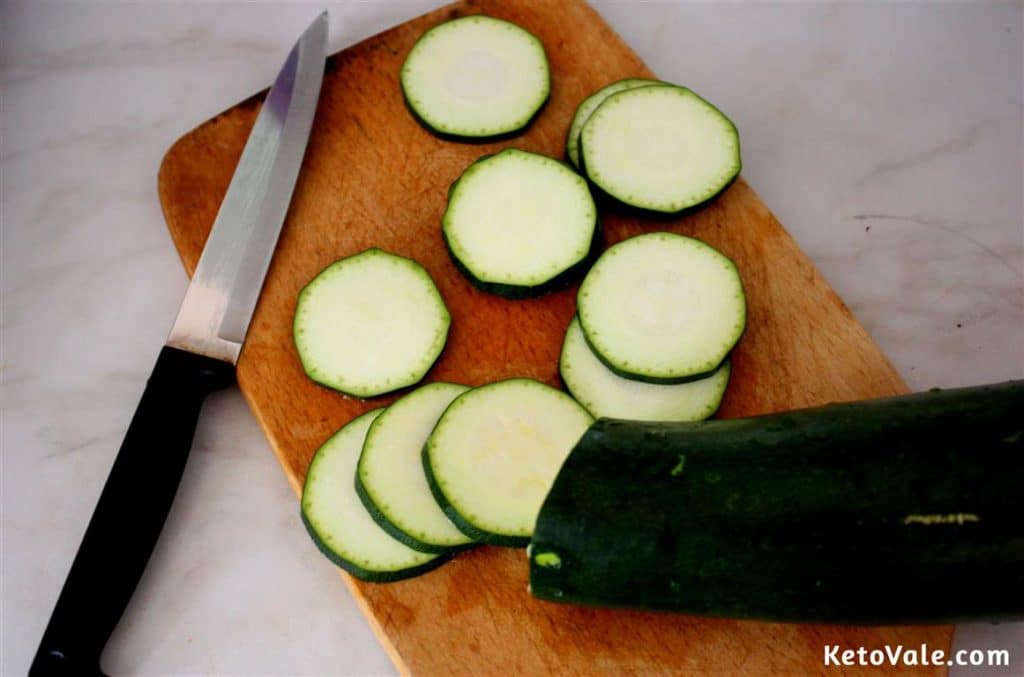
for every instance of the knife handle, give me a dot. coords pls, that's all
(130, 514)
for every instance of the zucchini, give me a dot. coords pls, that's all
(904, 509)
(340, 526)
(605, 394)
(476, 77)
(389, 478)
(520, 224)
(370, 324)
(589, 105)
(662, 308)
(493, 455)
(660, 148)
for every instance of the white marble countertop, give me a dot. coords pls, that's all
(886, 136)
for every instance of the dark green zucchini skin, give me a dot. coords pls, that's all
(394, 530)
(366, 574)
(644, 378)
(476, 140)
(515, 292)
(904, 509)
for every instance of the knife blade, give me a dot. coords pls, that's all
(198, 358)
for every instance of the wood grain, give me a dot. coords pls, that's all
(373, 177)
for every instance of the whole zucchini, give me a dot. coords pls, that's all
(904, 509)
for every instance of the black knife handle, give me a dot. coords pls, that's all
(130, 514)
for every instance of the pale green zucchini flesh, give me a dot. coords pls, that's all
(390, 479)
(370, 324)
(520, 224)
(660, 148)
(589, 105)
(662, 308)
(476, 77)
(494, 454)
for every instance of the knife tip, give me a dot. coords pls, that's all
(320, 25)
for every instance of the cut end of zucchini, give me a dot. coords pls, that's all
(495, 452)
(587, 108)
(390, 478)
(340, 526)
(661, 148)
(476, 77)
(517, 223)
(662, 308)
(370, 324)
(605, 394)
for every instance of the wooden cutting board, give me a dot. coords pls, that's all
(373, 177)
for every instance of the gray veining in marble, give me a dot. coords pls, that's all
(886, 136)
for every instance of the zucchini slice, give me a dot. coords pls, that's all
(389, 478)
(476, 77)
(495, 452)
(370, 323)
(661, 148)
(605, 394)
(662, 308)
(589, 105)
(862, 512)
(520, 224)
(337, 521)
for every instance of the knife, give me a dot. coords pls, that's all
(199, 358)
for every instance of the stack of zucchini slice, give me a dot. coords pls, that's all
(397, 491)
(656, 318)
(654, 146)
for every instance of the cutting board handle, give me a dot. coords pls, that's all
(130, 514)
